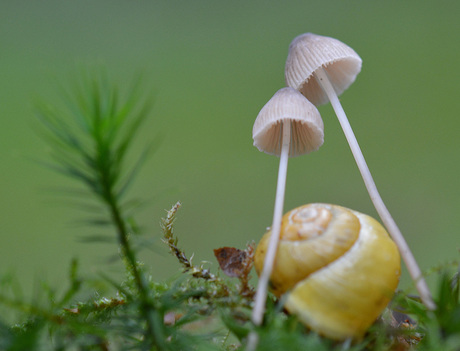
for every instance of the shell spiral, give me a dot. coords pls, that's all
(338, 267)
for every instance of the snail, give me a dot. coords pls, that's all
(338, 268)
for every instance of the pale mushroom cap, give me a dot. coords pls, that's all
(307, 129)
(307, 53)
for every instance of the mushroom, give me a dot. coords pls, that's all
(321, 68)
(288, 125)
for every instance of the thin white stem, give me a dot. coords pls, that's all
(262, 286)
(408, 257)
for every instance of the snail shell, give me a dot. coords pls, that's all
(338, 267)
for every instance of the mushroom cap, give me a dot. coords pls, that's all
(307, 128)
(307, 53)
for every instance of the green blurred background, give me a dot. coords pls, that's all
(211, 66)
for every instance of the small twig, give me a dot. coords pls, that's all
(167, 225)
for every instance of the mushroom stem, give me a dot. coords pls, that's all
(412, 266)
(261, 293)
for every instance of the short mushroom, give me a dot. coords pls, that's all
(288, 125)
(321, 68)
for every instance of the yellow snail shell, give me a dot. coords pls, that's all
(338, 267)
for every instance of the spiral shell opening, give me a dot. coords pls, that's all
(310, 222)
(309, 241)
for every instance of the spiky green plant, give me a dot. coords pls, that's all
(96, 157)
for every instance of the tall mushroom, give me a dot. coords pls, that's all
(321, 68)
(287, 126)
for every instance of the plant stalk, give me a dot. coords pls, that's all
(409, 259)
(147, 308)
